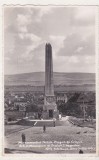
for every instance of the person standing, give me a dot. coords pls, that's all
(54, 122)
(80, 151)
(23, 138)
(44, 128)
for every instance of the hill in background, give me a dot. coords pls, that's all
(38, 79)
(62, 81)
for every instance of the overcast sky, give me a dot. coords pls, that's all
(70, 30)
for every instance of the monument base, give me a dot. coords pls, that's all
(50, 108)
(50, 114)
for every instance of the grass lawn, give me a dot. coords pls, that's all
(64, 138)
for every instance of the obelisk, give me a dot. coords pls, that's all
(49, 86)
(50, 107)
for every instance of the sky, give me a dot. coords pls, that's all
(70, 30)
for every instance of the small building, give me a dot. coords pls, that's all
(21, 105)
(62, 98)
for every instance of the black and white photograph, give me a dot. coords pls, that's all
(49, 79)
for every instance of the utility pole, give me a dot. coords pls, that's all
(84, 110)
(83, 106)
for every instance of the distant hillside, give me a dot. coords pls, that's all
(38, 79)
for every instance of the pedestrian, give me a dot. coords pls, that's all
(54, 123)
(44, 128)
(80, 151)
(23, 138)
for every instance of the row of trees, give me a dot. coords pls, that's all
(79, 107)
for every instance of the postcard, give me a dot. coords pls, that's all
(50, 77)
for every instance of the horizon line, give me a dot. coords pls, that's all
(44, 72)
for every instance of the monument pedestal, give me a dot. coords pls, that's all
(50, 114)
(50, 108)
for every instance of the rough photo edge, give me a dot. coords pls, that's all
(97, 92)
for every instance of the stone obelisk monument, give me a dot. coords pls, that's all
(50, 107)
